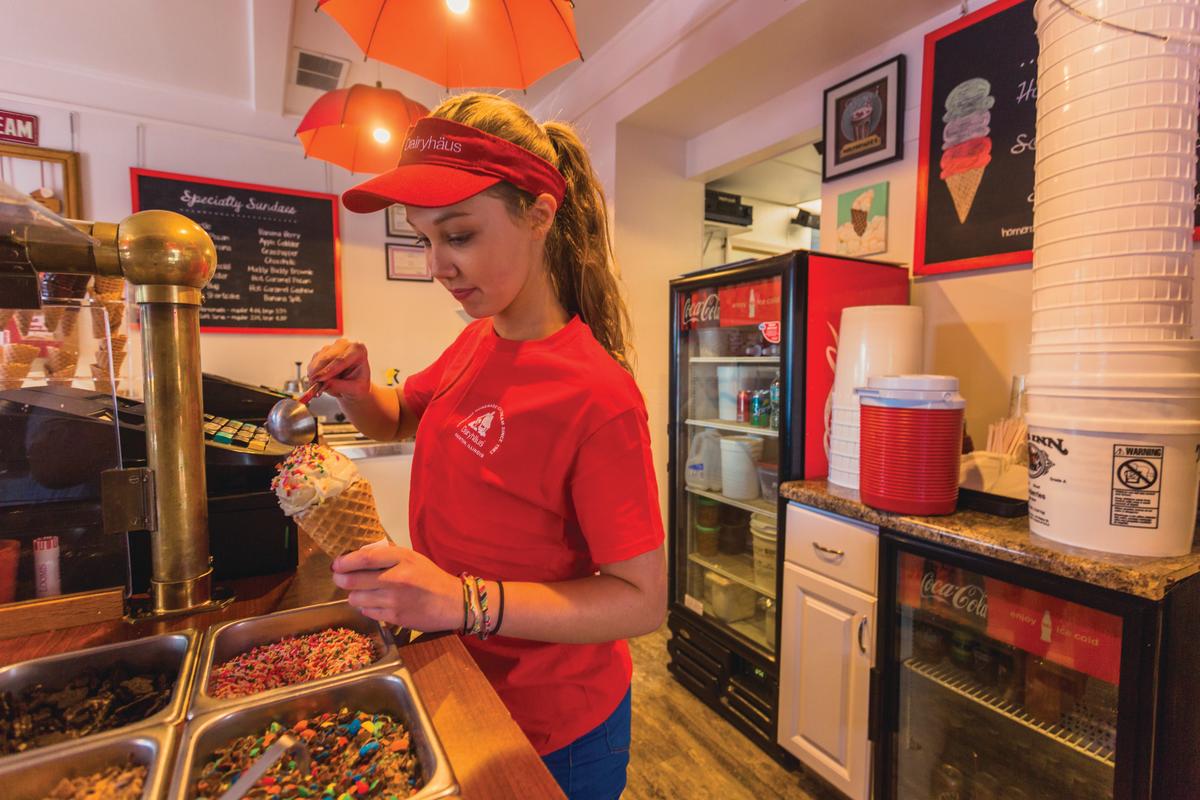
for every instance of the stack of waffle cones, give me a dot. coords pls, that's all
(15, 362)
(109, 294)
(109, 359)
(344, 523)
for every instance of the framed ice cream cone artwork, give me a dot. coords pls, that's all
(975, 166)
(864, 121)
(862, 221)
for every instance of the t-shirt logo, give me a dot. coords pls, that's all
(482, 431)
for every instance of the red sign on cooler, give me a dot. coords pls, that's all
(770, 331)
(18, 128)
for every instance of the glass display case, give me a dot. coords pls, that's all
(60, 369)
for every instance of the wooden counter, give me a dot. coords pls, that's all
(490, 756)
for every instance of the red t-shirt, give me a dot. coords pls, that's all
(533, 464)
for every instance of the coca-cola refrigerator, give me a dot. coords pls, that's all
(752, 354)
(999, 682)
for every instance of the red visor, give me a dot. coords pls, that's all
(445, 162)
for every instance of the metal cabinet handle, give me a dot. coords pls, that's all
(862, 626)
(829, 550)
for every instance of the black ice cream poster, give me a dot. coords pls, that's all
(978, 113)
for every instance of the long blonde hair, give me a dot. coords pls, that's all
(578, 247)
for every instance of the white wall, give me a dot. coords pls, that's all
(659, 216)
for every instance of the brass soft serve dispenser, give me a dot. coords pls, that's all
(168, 259)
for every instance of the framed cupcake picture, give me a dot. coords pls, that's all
(864, 121)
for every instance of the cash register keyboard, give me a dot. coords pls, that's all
(232, 433)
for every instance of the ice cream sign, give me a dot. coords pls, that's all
(18, 128)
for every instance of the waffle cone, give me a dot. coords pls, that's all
(11, 374)
(107, 286)
(61, 361)
(963, 187)
(51, 316)
(105, 386)
(859, 220)
(344, 523)
(5, 315)
(24, 320)
(68, 323)
(118, 358)
(18, 354)
(116, 313)
(117, 341)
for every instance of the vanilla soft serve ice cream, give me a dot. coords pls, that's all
(310, 476)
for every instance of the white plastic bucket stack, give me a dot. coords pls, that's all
(1114, 374)
(872, 340)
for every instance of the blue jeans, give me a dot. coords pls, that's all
(593, 766)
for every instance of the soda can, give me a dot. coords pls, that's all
(743, 405)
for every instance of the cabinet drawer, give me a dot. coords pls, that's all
(839, 548)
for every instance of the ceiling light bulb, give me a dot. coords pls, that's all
(382, 135)
(458, 6)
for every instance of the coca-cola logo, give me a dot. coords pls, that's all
(968, 598)
(708, 310)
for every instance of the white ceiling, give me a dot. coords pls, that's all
(808, 41)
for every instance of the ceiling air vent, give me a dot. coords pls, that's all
(320, 71)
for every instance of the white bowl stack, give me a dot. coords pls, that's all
(1114, 373)
(872, 340)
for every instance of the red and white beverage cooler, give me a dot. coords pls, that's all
(753, 349)
(999, 681)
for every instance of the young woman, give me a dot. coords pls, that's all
(533, 488)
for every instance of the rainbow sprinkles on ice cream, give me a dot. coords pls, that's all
(334, 505)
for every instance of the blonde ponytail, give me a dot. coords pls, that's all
(579, 251)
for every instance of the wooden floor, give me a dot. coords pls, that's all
(684, 749)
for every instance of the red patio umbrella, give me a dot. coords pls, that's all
(458, 43)
(361, 128)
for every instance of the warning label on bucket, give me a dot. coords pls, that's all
(1136, 485)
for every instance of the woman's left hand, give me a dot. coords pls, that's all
(394, 584)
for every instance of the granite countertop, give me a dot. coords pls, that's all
(1008, 539)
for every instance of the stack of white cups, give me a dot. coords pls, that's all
(1114, 374)
(872, 340)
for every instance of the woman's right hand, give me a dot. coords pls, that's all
(343, 369)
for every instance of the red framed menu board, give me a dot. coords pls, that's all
(978, 113)
(277, 251)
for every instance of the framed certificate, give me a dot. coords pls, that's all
(407, 262)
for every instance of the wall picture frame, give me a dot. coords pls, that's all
(863, 120)
(397, 223)
(407, 262)
(49, 176)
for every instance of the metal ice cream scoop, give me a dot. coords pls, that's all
(290, 422)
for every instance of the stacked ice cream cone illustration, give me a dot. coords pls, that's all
(966, 146)
(333, 504)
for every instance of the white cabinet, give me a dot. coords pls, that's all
(825, 662)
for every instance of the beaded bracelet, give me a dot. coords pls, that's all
(485, 625)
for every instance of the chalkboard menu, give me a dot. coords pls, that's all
(277, 252)
(978, 113)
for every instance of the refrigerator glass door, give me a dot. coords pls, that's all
(728, 445)
(1005, 692)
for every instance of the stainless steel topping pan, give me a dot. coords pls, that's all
(34, 776)
(377, 692)
(168, 652)
(223, 642)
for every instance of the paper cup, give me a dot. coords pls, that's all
(739, 466)
(1113, 196)
(728, 386)
(1113, 334)
(1111, 222)
(876, 340)
(1103, 174)
(1131, 405)
(1150, 241)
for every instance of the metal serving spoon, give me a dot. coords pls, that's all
(290, 422)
